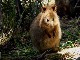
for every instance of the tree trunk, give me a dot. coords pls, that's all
(0, 15)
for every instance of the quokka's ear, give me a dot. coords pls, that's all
(54, 8)
(43, 9)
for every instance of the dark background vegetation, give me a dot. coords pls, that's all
(16, 17)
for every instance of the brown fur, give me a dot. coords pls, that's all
(45, 30)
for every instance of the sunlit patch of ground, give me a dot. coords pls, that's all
(71, 53)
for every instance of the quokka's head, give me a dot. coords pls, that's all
(49, 17)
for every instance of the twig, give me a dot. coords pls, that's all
(76, 4)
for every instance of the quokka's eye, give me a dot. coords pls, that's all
(47, 20)
(53, 19)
